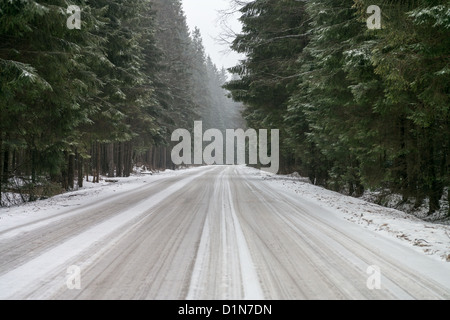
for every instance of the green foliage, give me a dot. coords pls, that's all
(273, 35)
(105, 93)
(363, 108)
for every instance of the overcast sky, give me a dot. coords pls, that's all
(205, 15)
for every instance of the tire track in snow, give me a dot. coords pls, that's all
(32, 273)
(327, 239)
(220, 234)
(238, 276)
(251, 285)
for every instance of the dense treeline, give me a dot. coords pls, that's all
(100, 99)
(358, 108)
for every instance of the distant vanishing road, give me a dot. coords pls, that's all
(210, 233)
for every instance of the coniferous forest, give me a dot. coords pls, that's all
(358, 109)
(79, 103)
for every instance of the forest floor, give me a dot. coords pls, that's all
(218, 233)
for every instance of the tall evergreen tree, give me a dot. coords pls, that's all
(411, 56)
(174, 41)
(43, 81)
(272, 37)
(360, 108)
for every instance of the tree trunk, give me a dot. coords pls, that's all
(95, 162)
(98, 164)
(351, 189)
(161, 158)
(419, 200)
(65, 173)
(80, 170)
(33, 166)
(105, 164)
(13, 161)
(402, 162)
(125, 160)
(164, 152)
(119, 172)
(127, 163)
(153, 164)
(71, 172)
(92, 163)
(32, 196)
(436, 191)
(5, 173)
(87, 166)
(148, 161)
(110, 159)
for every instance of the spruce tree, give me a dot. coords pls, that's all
(272, 38)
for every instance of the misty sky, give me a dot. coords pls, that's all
(205, 15)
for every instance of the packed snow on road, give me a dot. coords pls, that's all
(218, 232)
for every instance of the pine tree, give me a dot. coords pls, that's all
(173, 39)
(410, 56)
(34, 37)
(273, 37)
(331, 119)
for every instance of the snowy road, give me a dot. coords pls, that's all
(210, 233)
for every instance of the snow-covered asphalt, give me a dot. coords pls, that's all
(209, 233)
